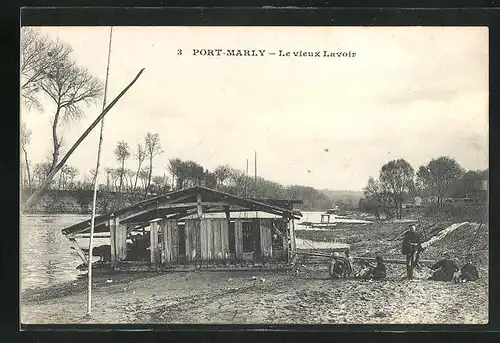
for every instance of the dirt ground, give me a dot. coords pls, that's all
(304, 295)
(258, 297)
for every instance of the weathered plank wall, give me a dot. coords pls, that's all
(118, 240)
(217, 240)
(291, 226)
(174, 231)
(238, 239)
(153, 240)
(192, 226)
(207, 241)
(224, 233)
(170, 238)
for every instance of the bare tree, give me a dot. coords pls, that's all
(109, 172)
(144, 176)
(153, 148)
(140, 155)
(38, 53)
(25, 141)
(69, 176)
(69, 87)
(41, 170)
(122, 152)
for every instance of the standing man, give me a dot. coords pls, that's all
(411, 247)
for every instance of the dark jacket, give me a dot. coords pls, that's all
(337, 267)
(379, 271)
(469, 272)
(444, 270)
(410, 237)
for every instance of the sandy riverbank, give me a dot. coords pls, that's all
(304, 295)
(242, 297)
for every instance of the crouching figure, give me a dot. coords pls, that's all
(468, 272)
(375, 273)
(338, 267)
(444, 270)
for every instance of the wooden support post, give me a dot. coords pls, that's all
(224, 236)
(204, 226)
(284, 236)
(121, 241)
(79, 251)
(218, 240)
(226, 229)
(238, 239)
(153, 239)
(266, 246)
(199, 208)
(113, 227)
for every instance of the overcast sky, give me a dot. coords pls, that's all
(413, 93)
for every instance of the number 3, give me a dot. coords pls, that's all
(179, 52)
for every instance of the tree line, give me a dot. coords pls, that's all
(434, 182)
(49, 72)
(134, 174)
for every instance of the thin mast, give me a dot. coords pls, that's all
(246, 182)
(256, 194)
(89, 264)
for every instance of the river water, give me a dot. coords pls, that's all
(47, 257)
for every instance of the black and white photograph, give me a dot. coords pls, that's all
(254, 175)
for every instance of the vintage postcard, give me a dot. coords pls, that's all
(254, 175)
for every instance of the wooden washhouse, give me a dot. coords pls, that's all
(194, 228)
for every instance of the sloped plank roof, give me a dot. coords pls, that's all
(181, 204)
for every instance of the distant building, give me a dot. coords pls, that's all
(415, 203)
(479, 190)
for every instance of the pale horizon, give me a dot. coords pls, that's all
(412, 92)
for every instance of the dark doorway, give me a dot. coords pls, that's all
(248, 237)
(251, 237)
(182, 240)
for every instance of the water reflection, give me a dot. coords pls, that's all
(46, 255)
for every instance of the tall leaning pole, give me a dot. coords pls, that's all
(91, 240)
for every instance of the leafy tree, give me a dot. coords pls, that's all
(439, 178)
(210, 179)
(222, 173)
(377, 198)
(396, 177)
(194, 173)
(160, 184)
(174, 166)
